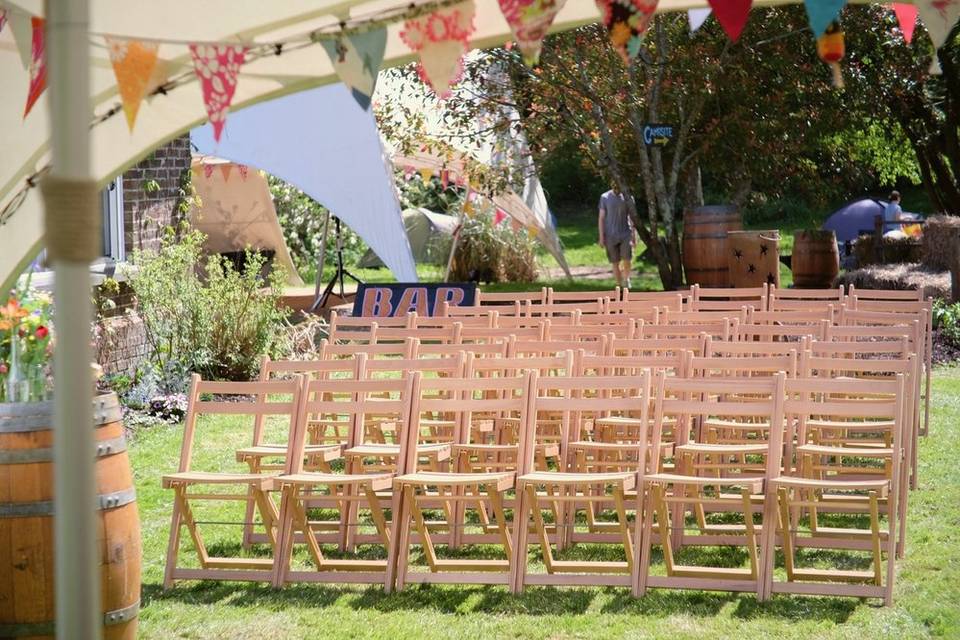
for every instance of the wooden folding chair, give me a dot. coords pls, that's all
(804, 299)
(791, 333)
(484, 490)
(577, 297)
(721, 299)
(658, 346)
(553, 347)
(504, 308)
(485, 298)
(205, 468)
(712, 476)
(334, 351)
(358, 329)
(483, 335)
(638, 310)
(563, 309)
(496, 348)
(617, 327)
(794, 317)
(825, 485)
(673, 300)
(716, 325)
(562, 493)
(444, 334)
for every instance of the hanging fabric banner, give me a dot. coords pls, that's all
(499, 216)
(225, 171)
(3, 18)
(217, 68)
(732, 15)
(938, 17)
(38, 64)
(696, 18)
(820, 13)
(627, 21)
(22, 31)
(441, 38)
(356, 59)
(907, 19)
(133, 64)
(529, 21)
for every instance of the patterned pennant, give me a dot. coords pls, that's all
(133, 63)
(696, 18)
(207, 171)
(356, 59)
(217, 68)
(408, 172)
(22, 31)
(499, 216)
(468, 209)
(820, 13)
(426, 174)
(225, 169)
(532, 232)
(38, 64)
(627, 22)
(907, 18)
(441, 38)
(938, 17)
(732, 15)
(515, 225)
(243, 171)
(444, 178)
(3, 18)
(530, 20)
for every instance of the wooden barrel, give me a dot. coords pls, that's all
(753, 258)
(26, 521)
(705, 243)
(816, 260)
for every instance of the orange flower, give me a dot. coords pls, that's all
(10, 314)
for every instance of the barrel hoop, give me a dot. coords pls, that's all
(28, 456)
(26, 629)
(45, 507)
(44, 422)
(705, 236)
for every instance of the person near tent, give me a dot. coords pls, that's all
(893, 218)
(617, 234)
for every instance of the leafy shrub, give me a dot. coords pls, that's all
(946, 318)
(202, 316)
(169, 408)
(432, 195)
(493, 253)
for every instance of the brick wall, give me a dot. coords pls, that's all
(122, 345)
(151, 194)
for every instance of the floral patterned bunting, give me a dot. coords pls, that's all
(732, 15)
(627, 21)
(217, 68)
(356, 59)
(3, 18)
(38, 64)
(225, 169)
(530, 20)
(938, 17)
(243, 171)
(207, 171)
(696, 18)
(22, 32)
(499, 216)
(133, 64)
(426, 174)
(907, 18)
(532, 232)
(441, 38)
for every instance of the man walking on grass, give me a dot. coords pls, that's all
(617, 234)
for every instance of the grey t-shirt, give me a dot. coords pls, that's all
(617, 225)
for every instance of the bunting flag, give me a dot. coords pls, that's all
(468, 209)
(499, 216)
(225, 169)
(22, 31)
(217, 68)
(532, 232)
(38, 64)
(529, 21)
(243, 171)
(515, 225)
(426, 174)
(820, 13)
(696, 18)
(356, 59)
(627, 22)
(408, 172)
(133, 64)
(938, 17)
(3, 18)
(207, 171)
(444, 178)
(732, 15)
(907, 19)
(441, 38)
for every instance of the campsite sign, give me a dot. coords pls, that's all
(657, 135)
(400, 298)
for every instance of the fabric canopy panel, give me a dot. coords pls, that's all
(322, 142)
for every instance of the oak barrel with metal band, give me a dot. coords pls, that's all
(26, 521)
(816, 259)
(705, 243)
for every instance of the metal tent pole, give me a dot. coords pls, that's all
(77, 578)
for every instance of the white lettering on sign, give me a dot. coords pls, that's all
(657, 134)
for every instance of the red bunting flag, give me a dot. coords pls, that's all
(499, 216)
(3, 18)
(441, 38)
(38, 64)
(217, 68)
(225, 169)
(444, 178)
(732, 15)
(530, 20)
(907, 18)
(627, 22)
(207, 171)
(243, 171)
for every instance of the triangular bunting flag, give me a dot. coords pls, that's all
(820, 13)
(499, 216)
(22, 31)
(627, 21)
(38, 64)
(225, 169)
(938, 17)
(207, 171)
(515, 225)
(530, 20)
(444, 178)
(532, 232)
(408, 172)
(696, 18)
(441, 38)
(133, 64)
(907, 18)
(356, 59)
(3, 18)
(426, 174)
(243, 171)
(217, 68)
(732, 15)
(468, 209)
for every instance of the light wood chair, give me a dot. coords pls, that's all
(577, 297)
(658, 346)
(622, 327)
(721, 299)
(673, 300)
(804, 299)
(485, 298)
(203, 476)
(792, 333)
(483, 335)
(716, 325)
(355, 329)
(638, 310)
(563, 309)
(793, 317)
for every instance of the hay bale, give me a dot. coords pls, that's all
(941, 240)
(895, 250)
(899, 276)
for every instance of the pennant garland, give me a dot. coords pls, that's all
(38, 64)
(444, 178)
(499, 216)
(441, 38)
(243, 171)
(532, 232)
(3, 18)
(22, 34)
(217, 67)
(820, 13)
(356, 58)
(515, 225)
(529, 21)
(426, 174)
(407, 172)
(907, 19)
(207, 171)
(225, 169)
(696, 18)
(938, 17)
(732, 15)
(133, 64)
(627, 21)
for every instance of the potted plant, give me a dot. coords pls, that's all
(26, 346)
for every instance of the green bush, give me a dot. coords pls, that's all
(946, 318)
(203, 316)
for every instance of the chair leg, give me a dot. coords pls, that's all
(173, 545)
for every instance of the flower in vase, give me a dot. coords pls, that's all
(41, 332)
(3, 368)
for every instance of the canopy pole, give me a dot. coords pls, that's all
(77, 577)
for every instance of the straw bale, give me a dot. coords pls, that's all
(899, 276)
(941, 240)
(895, 250)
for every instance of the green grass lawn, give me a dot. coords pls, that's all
(927, 590)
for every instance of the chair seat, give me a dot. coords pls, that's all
(263, 481)
(327, 452)
(755, 484)
(860, 452)
(702, 447)
(441, 451)
(625, 478)
(503, 481)
(376, 481)
(861, 425)
(618, 421)
(734, 424)
(812, 483)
